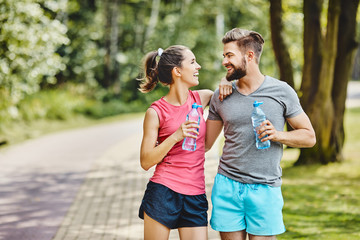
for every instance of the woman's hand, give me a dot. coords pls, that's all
(187, 129)
(225, 88)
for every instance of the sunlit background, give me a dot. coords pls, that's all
(72, 63)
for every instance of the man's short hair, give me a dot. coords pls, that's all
(245, 40)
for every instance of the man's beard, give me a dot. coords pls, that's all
(237, 72)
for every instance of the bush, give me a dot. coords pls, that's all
(65, 103)
(50, 104)
(98, 109)
(51, 110)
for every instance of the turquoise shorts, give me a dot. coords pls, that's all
(256, 208)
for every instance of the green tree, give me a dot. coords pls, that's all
(83, 55)
(326, 71)
(30, 35)
(279, 44)
(325, 82)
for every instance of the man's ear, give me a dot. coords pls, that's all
(250, 56)
(176, 71)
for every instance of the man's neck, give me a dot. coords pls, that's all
(250, 83)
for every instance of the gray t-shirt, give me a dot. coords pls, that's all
(241, 160)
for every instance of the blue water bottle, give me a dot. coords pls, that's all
(190, 143)
(257, 117)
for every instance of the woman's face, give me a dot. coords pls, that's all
(190, 69)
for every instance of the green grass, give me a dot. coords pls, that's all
(323, 201)
(60, 109)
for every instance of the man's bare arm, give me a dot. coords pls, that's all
(213, 129)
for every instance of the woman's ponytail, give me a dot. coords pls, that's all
(151, 77)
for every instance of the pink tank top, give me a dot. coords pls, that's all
(182, 171)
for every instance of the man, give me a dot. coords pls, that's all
(246, 195)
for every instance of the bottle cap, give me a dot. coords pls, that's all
(195, 105)
(256, 103)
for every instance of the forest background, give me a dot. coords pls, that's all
(70, 59)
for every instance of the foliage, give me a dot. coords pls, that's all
(190, 23)
(55, 109)
(45, 44)
(84, 55)
(50, 44)
(66, 102)
(51, 104)
(29, 37)
(293, 18)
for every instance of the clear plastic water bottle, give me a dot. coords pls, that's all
(257, 117)
(190, 143)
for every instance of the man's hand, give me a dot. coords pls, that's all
(302, 135)
(225, 88)
(266, 128)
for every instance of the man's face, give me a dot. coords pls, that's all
(234, 61)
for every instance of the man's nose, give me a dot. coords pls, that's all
(225, 61)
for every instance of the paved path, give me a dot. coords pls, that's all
(40, 178)
(107, 204)
(82, 184)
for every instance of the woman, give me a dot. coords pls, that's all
(175, 195)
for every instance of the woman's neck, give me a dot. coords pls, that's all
(177, 96)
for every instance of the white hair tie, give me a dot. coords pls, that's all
(160, 51)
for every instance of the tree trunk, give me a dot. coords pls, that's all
(312, 51)
(111, 70)
(319, 104)
(324, 97)
(280, 49)
(155, 9)
(312, 63)
(346, 51)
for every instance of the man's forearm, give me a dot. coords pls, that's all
(300, 138)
